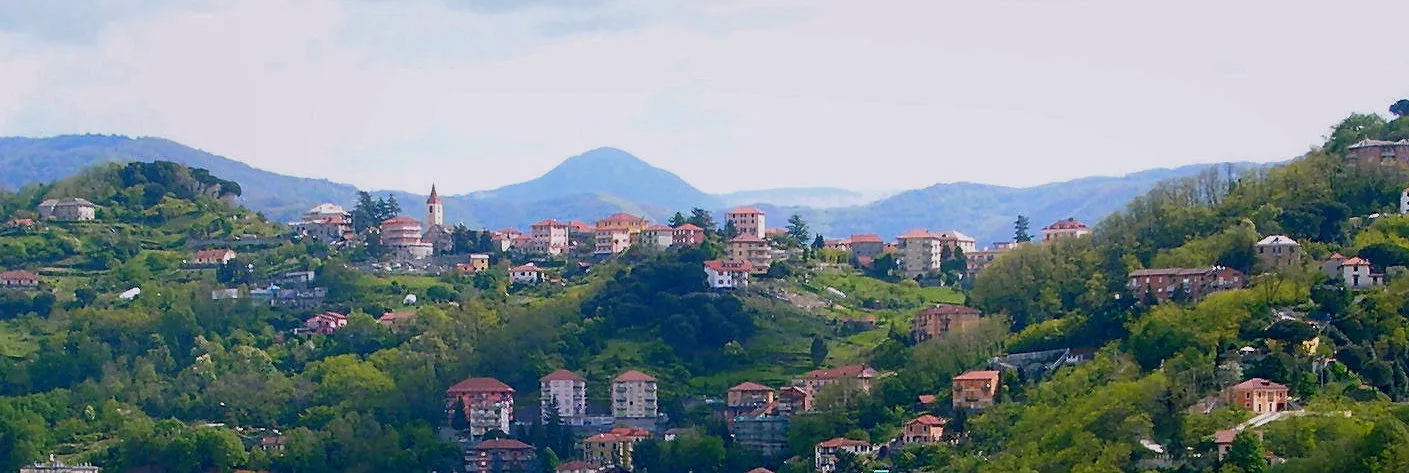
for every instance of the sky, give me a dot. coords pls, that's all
(731, 95)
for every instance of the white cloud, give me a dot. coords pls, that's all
(731, 96)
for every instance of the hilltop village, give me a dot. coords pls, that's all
(1221, 323)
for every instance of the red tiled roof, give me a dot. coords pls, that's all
(19, 275)
(746, 210)
(866, 238)
(1259, 383)
(1337, 256)
(393, 317)
(928, 398)
(760, 470)
(577, 465)
(434, 197)
(841, 442)
(501, 444)
(562, 375)
(400, 220)
(1068, 224)
(477, 385)
(750, 386)
(213, 254)
(689, 227)
(633, 375)
(848, 371)
(980, 375)
(951, 309)
(659, 228)
(747, 238)
(1225, 436)
(629, 432)
(928, 419)
(550, 223)
(526, 268)
(722, 266)
(1356, 261)
(509, 231)
(917, 233)
(622, 217)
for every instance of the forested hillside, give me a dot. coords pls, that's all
(179, 379)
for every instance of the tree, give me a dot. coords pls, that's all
(677, 220)
(1400, 108)
(701, 218)
(1247, 453)
(819, 242)
(819, 350)
(730, 231)
(848, 462)
(797, 228)
(1020, 228)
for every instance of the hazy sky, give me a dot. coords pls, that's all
(730, 95)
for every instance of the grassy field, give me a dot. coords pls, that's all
(14, 344)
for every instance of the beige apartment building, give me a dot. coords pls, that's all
(634, 396)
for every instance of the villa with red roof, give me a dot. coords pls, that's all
(325, 323)
(1069, 228)
(19, 278)
(923, 429)
(825, 453)
(612, 240)
(750, 395)
(866, 245)
(567, 391)
(548, 237)
(940, 319)
(214, 257)
(976, 389)
(634, 396)
(487, 403)
(753, 249)
(1356, 274)
(1259, 395)
(526, 274)
(859, 376)
(727, 274)
(748, 221)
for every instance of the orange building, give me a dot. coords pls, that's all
(941, 319)
(1259, 395)
(975, 389)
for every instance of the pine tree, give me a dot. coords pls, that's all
(1020, 228)
(819, 242)
(677, 220)
(1247, 453)
(730, 231)
(819, 350)
(701, 218)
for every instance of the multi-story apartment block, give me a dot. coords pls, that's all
(567, 391)
(658, 236)
(548, 237)
(975, 389)
(753, 249)
(634, 396)
(488, 404)
(613, 449)
(748, 221)
(688, 235)
(750, 395)
(921, 252)
(1165, 283)
(727, 274)
(631, 223)
(941, 319)
(611, 240)
(866, 245)
(501, 456)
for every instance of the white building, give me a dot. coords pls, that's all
(826, 452)
(1277, 251)
(727, 274)
(748, 220)
(634, 396)
(1355, 272)
(403, 235)
(548, 237)
(569, 391)
(526, 274)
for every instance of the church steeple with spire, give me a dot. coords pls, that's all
(435, 211)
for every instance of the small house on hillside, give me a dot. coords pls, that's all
(67, 209)
(215, 257)
(19, 279)
(526, 274)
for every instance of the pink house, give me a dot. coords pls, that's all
(688, 235)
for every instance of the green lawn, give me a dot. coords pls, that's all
(14, 344)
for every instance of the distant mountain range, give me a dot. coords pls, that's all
(607, 180)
